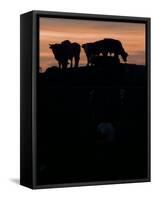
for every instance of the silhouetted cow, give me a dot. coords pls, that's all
(66, 51)
(104, 47)
(58, 52)
(112, 46)
(91, 50)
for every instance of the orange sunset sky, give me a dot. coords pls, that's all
(54, 30)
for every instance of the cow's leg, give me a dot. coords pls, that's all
(105, 53)
(71, 62)
(116, 55)
(88, 59)
(64, 64)
(77, 61)
(59, 64)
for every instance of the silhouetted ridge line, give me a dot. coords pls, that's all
(121, 75)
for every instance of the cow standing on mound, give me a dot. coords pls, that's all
(104, 47)
(66, 51)
(112, 46)
(91, 50)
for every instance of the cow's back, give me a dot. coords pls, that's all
(67, 49)
(112, 44)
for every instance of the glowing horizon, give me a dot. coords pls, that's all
(54, 30)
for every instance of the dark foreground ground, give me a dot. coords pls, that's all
(92, 124)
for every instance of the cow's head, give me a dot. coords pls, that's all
(54, 48)
(124, 56)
